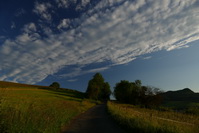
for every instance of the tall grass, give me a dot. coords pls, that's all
(32, 110)
(141, 120)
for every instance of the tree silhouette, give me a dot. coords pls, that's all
(105, 92)
(135, 93)
(98, 89)
(127, 92)
(55, 85)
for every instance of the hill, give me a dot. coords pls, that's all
(181, 95)
(6, 84)
(32, 108)
(184, 100)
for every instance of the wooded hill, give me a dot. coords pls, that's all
(181, 95)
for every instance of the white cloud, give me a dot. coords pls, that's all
(29, 34)
(65, 3)
(115, 31)
(79, 71)
(64, 24)
(98, 69)
(31, 27)
(82, 4)
(62, 3)
(147, 58)
(42, 9)
(85, 2)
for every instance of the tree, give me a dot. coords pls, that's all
(123, 91)
(135, 93)
(153, 97)
(138, 83)
(105, 92)
(98, 89)
(55, 85)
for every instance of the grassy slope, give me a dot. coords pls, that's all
(140, 120)
(181, 100)
(26, 108)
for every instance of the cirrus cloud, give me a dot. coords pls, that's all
(114, 31)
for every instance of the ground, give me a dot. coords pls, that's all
(95, 120)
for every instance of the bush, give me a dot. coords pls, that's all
(55, 85)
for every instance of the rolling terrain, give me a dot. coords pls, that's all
(184, 99)
(32, 109)
(181, 95)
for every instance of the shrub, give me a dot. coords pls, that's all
(55, 85)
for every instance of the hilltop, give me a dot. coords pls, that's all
(6, 84)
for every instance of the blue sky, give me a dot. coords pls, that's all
(68, 41)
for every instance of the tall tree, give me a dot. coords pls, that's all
(98, 89)
(123, 91)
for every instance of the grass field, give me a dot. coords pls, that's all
(187, 107)
(141, 120)
(28, 109)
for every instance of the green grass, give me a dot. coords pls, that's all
(183, 106)
(141, 120)
(28, 109)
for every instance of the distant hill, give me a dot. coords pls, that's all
(181, 95)
(6, 84)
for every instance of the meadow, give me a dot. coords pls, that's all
(142, 120)
(33, 109)
(183, 106)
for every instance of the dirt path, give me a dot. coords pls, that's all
(95, 120)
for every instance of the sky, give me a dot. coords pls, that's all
(68, 41)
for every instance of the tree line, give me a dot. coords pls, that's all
(135, 93)
(124, 91)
